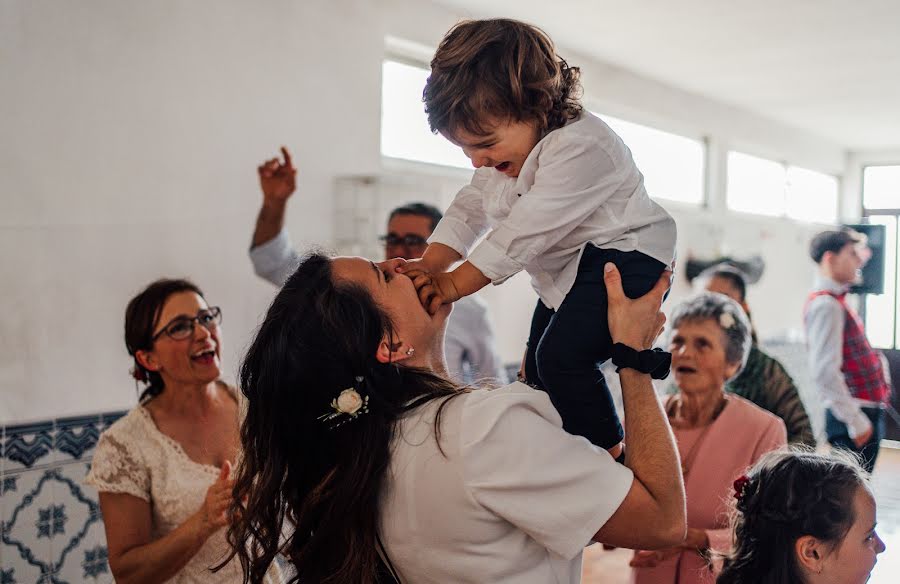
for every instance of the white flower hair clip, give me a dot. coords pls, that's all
(347, 406)
(726, 320)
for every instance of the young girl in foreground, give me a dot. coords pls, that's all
(803, 518)
(561, 196)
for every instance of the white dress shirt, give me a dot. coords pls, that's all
(469, 342)
(579, 185)
(508, 497)
(824, 320)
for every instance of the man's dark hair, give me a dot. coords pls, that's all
(419, 210)
(833, 241)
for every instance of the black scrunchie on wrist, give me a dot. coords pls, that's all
(656, 362)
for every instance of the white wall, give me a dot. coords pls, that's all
(130, 137)
(131, 134)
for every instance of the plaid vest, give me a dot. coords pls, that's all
(861, 366)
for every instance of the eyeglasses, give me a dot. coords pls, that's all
(182, 327)
(408, 241)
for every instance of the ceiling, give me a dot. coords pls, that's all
(831, 67)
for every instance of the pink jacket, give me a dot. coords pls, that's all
(741, 434)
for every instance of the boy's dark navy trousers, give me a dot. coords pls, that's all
(566, 347)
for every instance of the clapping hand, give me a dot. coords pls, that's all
(214, 512)
(651, 559)
(696, 540)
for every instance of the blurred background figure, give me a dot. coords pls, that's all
(763, 380)
(848, 372)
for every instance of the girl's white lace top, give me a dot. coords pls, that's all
(135, 458)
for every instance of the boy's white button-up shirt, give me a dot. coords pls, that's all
(579, 185)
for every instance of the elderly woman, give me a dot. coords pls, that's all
(803, 518)
(356, 436)
(163, 470)
(719, 435)
(763, 380)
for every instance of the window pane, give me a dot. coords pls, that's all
(881, 187)
(672, 165)
(755, 185)
(404, 125)
(811, 196)
(892, 265)
(880, 325)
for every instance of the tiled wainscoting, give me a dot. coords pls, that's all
(50, 523)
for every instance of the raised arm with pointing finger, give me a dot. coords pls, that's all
(471, 354)
(271, 252)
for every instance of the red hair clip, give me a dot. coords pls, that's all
(139, 374)
(740, 484)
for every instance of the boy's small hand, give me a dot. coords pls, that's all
(414, 266)
(437, 257)
(434, 289)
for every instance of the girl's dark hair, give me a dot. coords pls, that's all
(732, 275)
(503, 69)
(318, 336)
(790, 494)
(142, 318)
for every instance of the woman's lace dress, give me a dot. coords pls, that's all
(135, 458)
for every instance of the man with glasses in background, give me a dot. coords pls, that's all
(469, 342)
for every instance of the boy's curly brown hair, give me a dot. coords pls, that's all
(499, 69)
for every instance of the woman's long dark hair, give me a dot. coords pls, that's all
(141, 319)
(790, 494)
(318, 336)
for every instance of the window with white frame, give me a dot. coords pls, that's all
(881, 205)
(755, 185)
(766, 187)
(811, 196)
(673, 166)
(881, 187)
(404, 126)
(881, 309)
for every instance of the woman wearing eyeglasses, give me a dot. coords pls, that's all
(163, 470)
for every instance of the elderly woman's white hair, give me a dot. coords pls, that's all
(728, 315)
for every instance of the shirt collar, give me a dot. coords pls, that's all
(825, 283)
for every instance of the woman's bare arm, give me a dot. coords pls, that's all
(135, 557)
